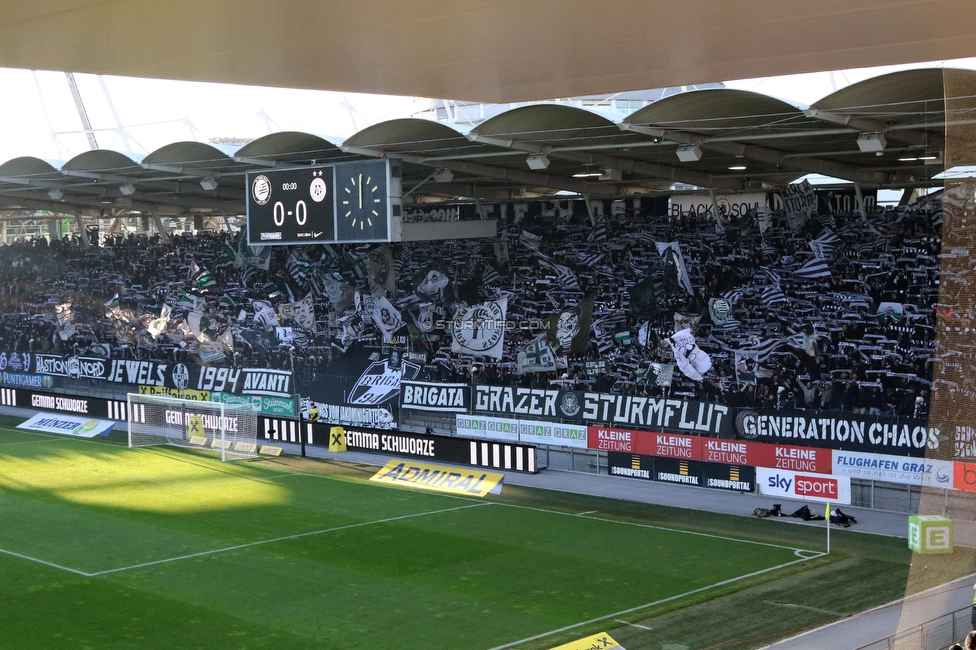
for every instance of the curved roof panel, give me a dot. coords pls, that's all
(721, 110)
(102, 160)
(27, 166)
(552, 124)
(189, 154)
(414, 136)
(892, 97)
(293, 146)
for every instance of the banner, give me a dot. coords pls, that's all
(176, 393)
(552, 433)
(713, 450)
(425, 396)
(808, 487)
(875, 434)
(685, 472)
(71, 366)
(621, 410)
(486, 427)
(440, 478)
(67, 425)
(275, 406)
(27, 381)
(893, 469)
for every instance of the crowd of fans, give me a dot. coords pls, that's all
(858, 355)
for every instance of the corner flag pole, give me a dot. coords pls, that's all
(827, 518)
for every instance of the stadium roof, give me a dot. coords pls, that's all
(724, 139)
(483, 51)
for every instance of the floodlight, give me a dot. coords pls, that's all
(128, 189)
(537, 161)
(443, 175)
(209, 183)
(689, 153)
(871, 142)
(55, 194)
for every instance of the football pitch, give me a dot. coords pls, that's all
(106, 547)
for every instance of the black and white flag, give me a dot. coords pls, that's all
(692, 361)
(480, 329)
(387, 318)
(537, 356)
(813, 269)
(671, 252)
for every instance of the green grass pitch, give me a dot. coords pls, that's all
(105, 547)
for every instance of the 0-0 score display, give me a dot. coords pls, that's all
(299, 205)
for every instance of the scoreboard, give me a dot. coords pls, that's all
(322, 204)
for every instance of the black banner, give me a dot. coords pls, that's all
(424, 396)
(701, 418)
(718, 476)
(847, 432)
(460, 451)
(239, 381)
(70, 404)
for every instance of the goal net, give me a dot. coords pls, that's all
(227, 429)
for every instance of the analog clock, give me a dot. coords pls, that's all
(362, 202)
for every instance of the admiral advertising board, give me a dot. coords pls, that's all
(805, 486)
(719, 476)
(880, 435)
(893, 469)
(426, 396)
(615, 410)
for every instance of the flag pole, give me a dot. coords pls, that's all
(827, 518)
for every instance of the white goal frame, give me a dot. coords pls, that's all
(162, 420)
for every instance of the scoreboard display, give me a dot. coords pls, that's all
(320, 204)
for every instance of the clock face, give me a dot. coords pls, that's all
(363, 202)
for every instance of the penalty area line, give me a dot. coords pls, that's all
(631, 610)
(46, 563)
(280, 539)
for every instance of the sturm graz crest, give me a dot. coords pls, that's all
(569, 404)
(181, 376)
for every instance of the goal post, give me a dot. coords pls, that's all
(225, 428)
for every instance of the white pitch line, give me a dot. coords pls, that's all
(643, 627)
(588, 512)
(29, 442)
(281, 539)
(654, 604)
(51, 564)
(582, 515)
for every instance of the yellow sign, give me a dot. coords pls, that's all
(246, 447)
(595, 642)
(198, 440)
(195, 425)
(220, 444)
(439, 478)
(268, 450)
(185, 393)
(337, 439)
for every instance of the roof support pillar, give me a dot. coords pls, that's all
(82, 232)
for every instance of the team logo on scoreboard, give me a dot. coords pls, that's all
(261, 189)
